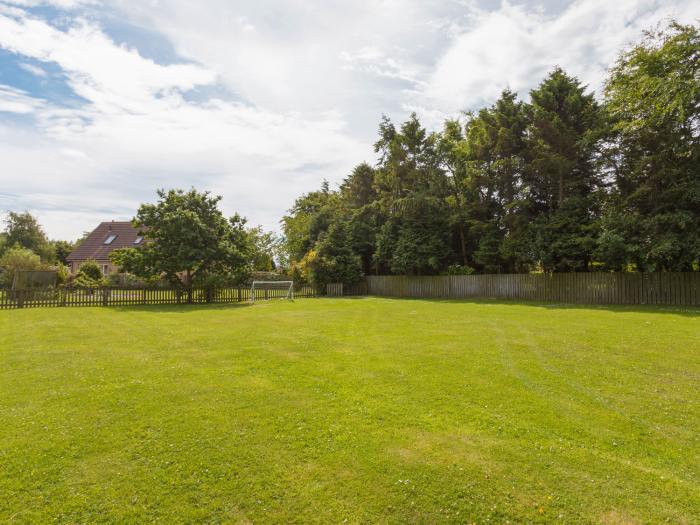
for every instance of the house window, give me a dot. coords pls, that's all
(105, 269)
(138, 240)
(110, 239)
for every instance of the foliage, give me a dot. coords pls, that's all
(62, 274)
(265, 248)
(653, 99)
(16, 259)
(458, 269)
(188, 240)
(558, 184)
(333, 260)
(61, 250)
(88, 276)
(91, 269)
(24, 230)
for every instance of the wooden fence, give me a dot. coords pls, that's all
(588, 288)
(133, 296)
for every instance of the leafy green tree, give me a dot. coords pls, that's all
(653, 99)
(16, 259)
(188, 239)
(265, 249)
(62, 250)
(306, 220)
(23, 229)
(334, 260)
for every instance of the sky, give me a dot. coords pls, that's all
(102, 103)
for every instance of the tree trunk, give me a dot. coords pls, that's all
(463, 242)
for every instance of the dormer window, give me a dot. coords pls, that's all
(110, 238)
(138, 240)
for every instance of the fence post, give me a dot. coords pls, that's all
(239, 295)
(20, 298)
(143, 296)
(105, 296)
(208, 294)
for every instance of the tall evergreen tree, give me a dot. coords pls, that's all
(560, 173)
(495, 149)
(412, 187)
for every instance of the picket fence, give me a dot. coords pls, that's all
(588, 288)
(66, 297)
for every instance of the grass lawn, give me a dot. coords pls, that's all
(350, 411)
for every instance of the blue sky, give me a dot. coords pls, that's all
(101, 103)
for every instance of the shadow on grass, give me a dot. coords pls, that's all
(687, 311)
(178, 308)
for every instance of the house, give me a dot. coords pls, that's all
(102, 241)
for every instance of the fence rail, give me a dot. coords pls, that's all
(588, 288)
(67, 297)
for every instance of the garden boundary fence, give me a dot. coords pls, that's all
(587, 288)
(121, 296)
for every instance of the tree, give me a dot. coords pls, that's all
(452, 152)
(653, 99)
(413, 188)
(499, 213)
(16, 259)
(265, 249)
(187, 239)
(561, 173)
(62, 250)
(306, 220)
(24, 230)
(333, 260)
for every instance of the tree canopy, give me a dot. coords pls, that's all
(561, 182)
(187, 240)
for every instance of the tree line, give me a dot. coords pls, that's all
(188, 242)
(564, 182)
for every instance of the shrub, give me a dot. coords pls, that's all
(458, 269)
(18, 259)
(91, 269)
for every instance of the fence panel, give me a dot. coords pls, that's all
(126, 296)
(588, 288)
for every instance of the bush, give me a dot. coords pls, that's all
(91, 269)
(62, 274)
(18, 259)
(458, 269)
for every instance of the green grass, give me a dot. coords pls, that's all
(350, 410)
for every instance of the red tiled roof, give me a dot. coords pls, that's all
(94, 247)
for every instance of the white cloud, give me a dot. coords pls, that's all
(138, 132)
(300, 87)
(34, 70)
(516, 47)
(17, 101)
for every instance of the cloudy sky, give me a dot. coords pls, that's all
(101, 103)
